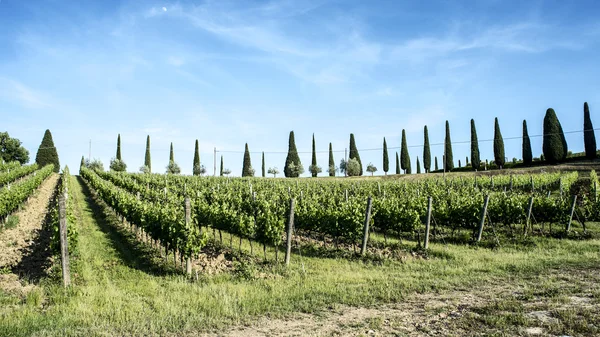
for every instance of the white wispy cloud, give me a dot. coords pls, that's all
(24, 95)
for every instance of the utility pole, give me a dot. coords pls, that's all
(90, 152)
(346, 161)
(215, 163)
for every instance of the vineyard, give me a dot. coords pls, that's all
(333, 211)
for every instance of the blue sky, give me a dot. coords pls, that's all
(231, 72)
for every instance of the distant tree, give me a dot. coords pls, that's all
(371, 169)
(332, 167)
(11, 149)
(555, 146)
(498, 145)
(46, 152)
(226, 172)
(296, 170)
(466, 161)
(197, 169)
(247, 170)
(475, 160)
(404, 156)
(353, 167)
(147, 161)
(459, 164)
(343, 166)
(527, 154)
(354, 154)
(589, 138)
(118, 157)
(82, 164)
(117, 165)
(144, 169)
(426, 151)
(172, 167)
(418, 166)
(313, 168)
(448, 158)
(292, 158)
(95, 164)
(221, 167)
(274, 171)
(386, 159)
(436, 164)
(263, 165)
(397, 164)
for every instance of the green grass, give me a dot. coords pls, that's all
(124, 287)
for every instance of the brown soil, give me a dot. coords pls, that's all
(19, 242)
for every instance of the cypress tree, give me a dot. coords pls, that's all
(263, 165)
(475, 160)
(397, 164)
(418, 166)
(467, 161)
(119, 147)
(386, 159)
(498, 145)
(314, 157)
(404, 156)
(46, 153)
(247, 167)
(147, 161)
(459, 164)
(292, 158)
(221, 168)
(589, 138)
(527, 154)
(436, 164)
(448, 158)
(196, 167)
(555, 145)
(331, 162)
(171, 156)
(354, 153)
(426, 151)
(82, 164)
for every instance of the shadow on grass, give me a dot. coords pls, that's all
(134, 253)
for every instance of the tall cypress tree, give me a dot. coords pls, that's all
(331, 162)
(82, 164)
(46, 153)
(314, 157)
(475, 160)
(171, 156)
(404, 156)
(386, 159)
(467, 161)
(119, 147)
(354, 153)
(555, 145)
(221, 168)
(147, 161)
(418, 166)
(247, 167)
(589, 138)
(498, 145)
(426, 151)
(196, 167)
(448, 158)
(292, 158)
(263, 165)
(436, 164)
(397, 164)
(527, 154)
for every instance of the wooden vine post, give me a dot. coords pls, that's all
(483, 214)
(529, 209)
(363, 249)
(188, 222)
(290, 229)
(427, 223)
(571, 215)
(64, 242)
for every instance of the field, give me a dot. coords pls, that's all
(542, 283)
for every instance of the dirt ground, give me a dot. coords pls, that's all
(18, 243)
(499, 308)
